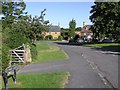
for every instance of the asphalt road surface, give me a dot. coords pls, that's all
(88, 68)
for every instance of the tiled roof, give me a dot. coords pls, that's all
(87, 29)
(54, 29)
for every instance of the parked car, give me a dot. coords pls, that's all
(107, 40)
(80, 41)
(76, 41)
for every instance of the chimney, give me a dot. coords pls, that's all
(84, 23)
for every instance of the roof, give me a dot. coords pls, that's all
(86, 28)
(54, 29)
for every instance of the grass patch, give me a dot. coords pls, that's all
(115, 47)
(48, 52)
(41, 46)
(50, 56)
(48, 80)
(51, 40)
(101, 45)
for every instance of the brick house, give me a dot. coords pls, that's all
(86, 32)
(54, 31)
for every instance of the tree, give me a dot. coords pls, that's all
(11, 11)
(78, 29)
(105, 17)
(72, 25)
(64, 33)
(37, 25)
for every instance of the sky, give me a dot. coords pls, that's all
(62, 12)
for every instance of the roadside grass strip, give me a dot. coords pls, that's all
(103, 45)
(48, 53)
(51, 56)
(47, 80)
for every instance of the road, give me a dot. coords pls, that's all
(88, 68)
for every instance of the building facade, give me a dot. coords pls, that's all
(54, 31)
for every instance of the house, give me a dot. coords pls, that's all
(86, 31)
(54, 31)
(78, 33)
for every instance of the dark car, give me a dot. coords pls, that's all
(77, 41)
(72, 41)
(107, 40)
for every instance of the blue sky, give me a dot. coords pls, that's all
(62, 12)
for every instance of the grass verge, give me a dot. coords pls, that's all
(48, 80)
(101, 45)
(50, 56)
(115, 47)
(49, 53)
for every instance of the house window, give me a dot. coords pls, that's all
(55, 38)
(55, 32)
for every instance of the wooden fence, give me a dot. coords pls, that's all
(20, 54)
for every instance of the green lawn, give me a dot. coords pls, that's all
(103, 45)
(49, 53)
(44, 47)
(106, 46)
(51, 56)
(48, 80)
(41, 46)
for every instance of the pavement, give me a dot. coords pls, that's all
(88, 68)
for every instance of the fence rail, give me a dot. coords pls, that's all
(18, 54)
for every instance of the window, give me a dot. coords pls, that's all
(55, 32)
(55, 38)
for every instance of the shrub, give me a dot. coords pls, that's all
(33, 50)
(49, 37)
(40, 37)
(60, 38)
(16, 39)
(76, 37)
(5, 57)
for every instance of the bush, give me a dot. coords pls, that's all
(16, 39)
(49, 37)
(65, 38)
(76, 37)
(33, 50)
(60, 38)
(5, 57)
(40, 37)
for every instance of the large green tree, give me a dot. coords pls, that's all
(11, 11)
(105, 17)
(72, 26)
(37, 25)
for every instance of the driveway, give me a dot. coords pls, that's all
(88, 68)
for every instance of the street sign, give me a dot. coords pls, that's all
(13, 75)
(10, 69)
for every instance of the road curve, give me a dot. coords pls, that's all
(82, 75)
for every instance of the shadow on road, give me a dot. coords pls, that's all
(67, 43)
(109, 49)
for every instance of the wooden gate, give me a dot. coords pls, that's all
(18, 54)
